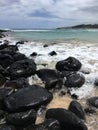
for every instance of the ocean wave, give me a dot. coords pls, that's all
(34, 30)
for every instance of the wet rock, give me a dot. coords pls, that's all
(74, 96)
(93, 101)
(51, 78)
(22, 68)
(3, 71)
(2, 35)
(2, 79)
(7, 127)
(6, 60)
(34, 54)
(69, 64)
(90, 110)
(17, 84)
(67, 73)
(10, 49)
(45, 45)
(96, 82)
(68, 120)
(6, 42)
(20, 42)
(22, 118)
(52, 53)
(49, 124)
(1, 114)
(27, 98)
(77, 109)
(2, 46)
(75, 80)
(4, 93)
(19, 56)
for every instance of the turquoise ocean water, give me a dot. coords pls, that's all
(89, 35)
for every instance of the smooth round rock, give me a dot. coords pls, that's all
(27, 98)
(67, 119)
(69, 64)
(77, 109)
(22, 68)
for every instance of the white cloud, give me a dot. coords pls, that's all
(74, 11)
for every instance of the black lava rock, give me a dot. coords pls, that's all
(22, 68)
(49, 124)
(89, 110)
(93, 101)
(52, 53)
(45, 45)
(7, 127)
(4, 93)
(51, 78)
(19, 42)
(17, 84)
(68, 120)
(2, 79)
(69, 64)
(22, 118)
(6, 60)
(33, 54)
(27, 98)
(75, 80)
(76, 108)
(19, 56)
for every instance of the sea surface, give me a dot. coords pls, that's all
(90, 35)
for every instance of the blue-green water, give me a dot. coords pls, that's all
(90, 35)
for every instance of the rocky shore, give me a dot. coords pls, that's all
(47, 102)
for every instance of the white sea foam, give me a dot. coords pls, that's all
(87, 53)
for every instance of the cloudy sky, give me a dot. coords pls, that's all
(47, 13)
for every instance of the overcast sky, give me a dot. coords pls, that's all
(47, 13)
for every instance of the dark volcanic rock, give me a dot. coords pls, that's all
(93, 101)
(67, 119)
(49, 124)
(69, 64)
(3, 71)
(10, 49)
(27, 98)
(45, 45)
(75, 80)
(4, 93)
(19, 42)
(2, 46)
(22, 118)
(2, 79)
(6, 60)
(22, 68)
(51, 78)
(34, 54)
(76, 108)
(19, 56)
(17, 84)
(52, 53)
(90, 110)
(7, 127)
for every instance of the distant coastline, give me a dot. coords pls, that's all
(81, 26)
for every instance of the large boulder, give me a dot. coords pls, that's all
(68, 120)
(6, 60)
(52, 78)
(93, 101)
(27, 98)
(22, 68)
(69, 64)
(49, 124)
(17, 83)
(21, 118)
(76, 108)
(75, 80)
